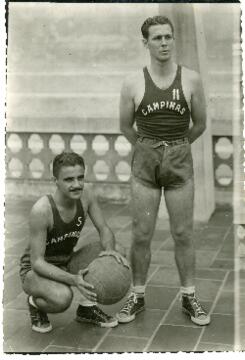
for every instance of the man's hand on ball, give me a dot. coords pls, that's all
(84, 287)
(120, 259)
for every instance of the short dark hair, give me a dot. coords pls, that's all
(155, 20)
(66, 159)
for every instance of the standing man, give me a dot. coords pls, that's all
(161, 100)
(49, 267)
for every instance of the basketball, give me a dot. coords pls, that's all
(84, 256)
(110, 279)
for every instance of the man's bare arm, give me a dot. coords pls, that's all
(38, 233)
(127, 113)
(106, 235)
(198, 109)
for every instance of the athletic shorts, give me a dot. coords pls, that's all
(158, 164)
(71, 263)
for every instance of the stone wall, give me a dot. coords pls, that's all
(66, 64)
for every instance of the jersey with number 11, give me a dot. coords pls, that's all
(163, 113)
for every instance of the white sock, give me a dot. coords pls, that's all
(139, 290)
(83, 301)
(187, 290)
(31, 301)
(87, 303)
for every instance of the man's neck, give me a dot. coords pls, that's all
(162, 69)
(63, 201)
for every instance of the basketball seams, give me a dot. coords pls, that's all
(110, 279)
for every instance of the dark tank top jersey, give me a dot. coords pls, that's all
(163, 114)
(62, 238)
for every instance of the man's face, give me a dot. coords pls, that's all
(70, 181)
(160, 42)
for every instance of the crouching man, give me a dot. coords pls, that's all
(50, 268)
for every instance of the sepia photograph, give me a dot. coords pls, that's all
(124, 206)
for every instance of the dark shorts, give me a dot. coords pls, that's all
(71, 263)
(159, 164)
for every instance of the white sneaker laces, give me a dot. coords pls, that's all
(130, 303)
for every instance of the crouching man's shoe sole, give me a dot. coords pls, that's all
(39, 319)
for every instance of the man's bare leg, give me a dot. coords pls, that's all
(179, 203)
(180, 207)
(49, 296)
(145, 205)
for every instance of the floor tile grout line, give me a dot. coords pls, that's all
(222, 243)
(223, 314)
(152, 274)
(123, 227)
(50, 344)
(212, 226)
(182, 325)
(10, 273)
(61, 346)
(212, 343)
(208, 279)
(200, 268)
(161, 322)
(129, 336)
(168, 240)
(59, 330)
(168, 286)
(212, 308)
(178, 285)
(101, 340)
(158, 248)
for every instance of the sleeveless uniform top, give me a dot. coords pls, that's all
(62, 238)
(163, 114)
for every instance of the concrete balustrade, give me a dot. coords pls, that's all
(107, 156)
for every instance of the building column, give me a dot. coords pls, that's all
(190, 51)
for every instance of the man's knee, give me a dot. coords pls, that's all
(56, 296)
(61, 298)
(182, 236)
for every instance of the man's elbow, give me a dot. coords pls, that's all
(203, 128)
(125, 128)
(200, 128)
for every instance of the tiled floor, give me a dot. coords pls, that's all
(162, 326)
